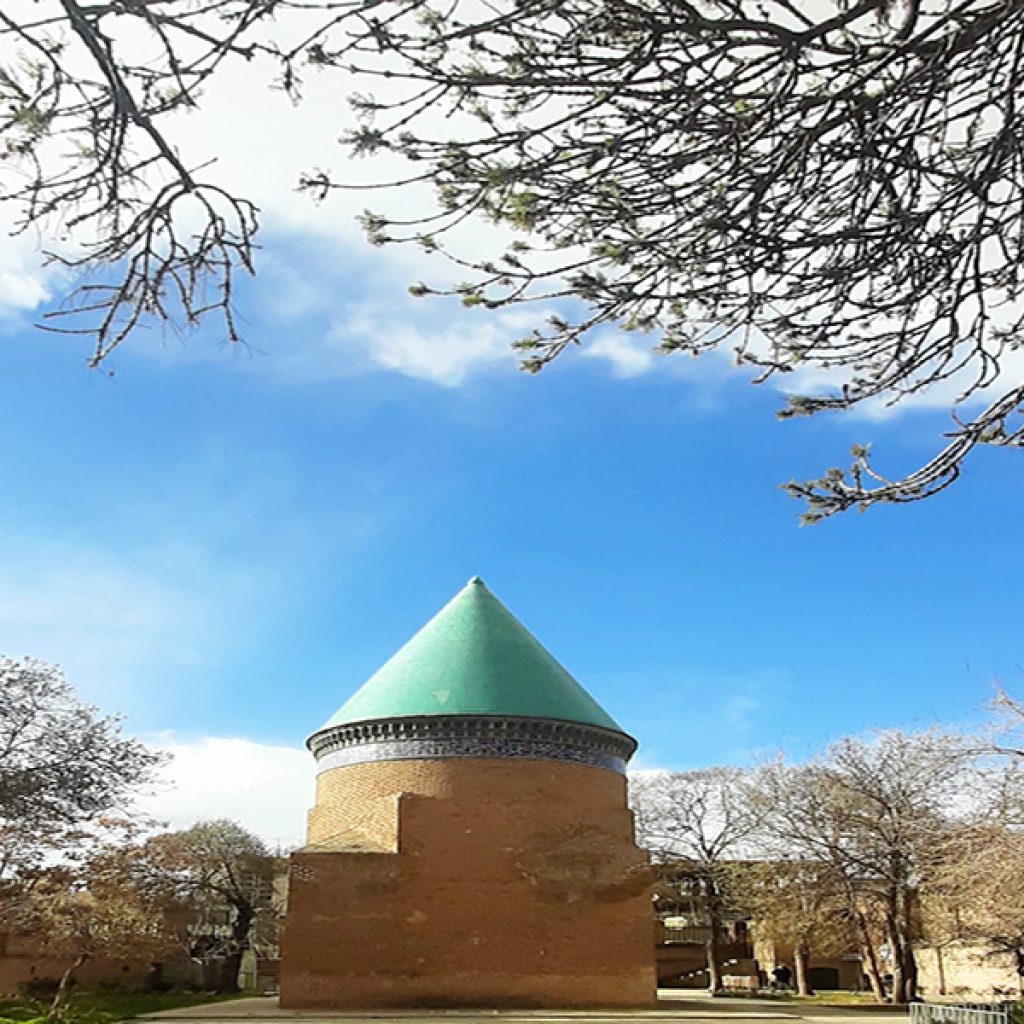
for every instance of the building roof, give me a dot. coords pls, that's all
(473, 658)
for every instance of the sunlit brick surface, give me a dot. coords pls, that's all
(469, 883)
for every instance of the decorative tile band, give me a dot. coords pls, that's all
(464, 736)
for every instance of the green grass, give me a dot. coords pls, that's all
(828, 998)
(836, 998)
(107, 1007)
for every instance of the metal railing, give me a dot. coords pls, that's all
(965, 1013)
(695, 934)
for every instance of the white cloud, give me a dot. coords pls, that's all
(265, 788)
(632, 356)
(23, 280)
(20, 288)
(358, 322)
(444, 357)
(810, 380)
(447, 355)
(317, 260)
(946, 394)
(626, 355)
(261, 142)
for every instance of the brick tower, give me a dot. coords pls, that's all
(470, 844)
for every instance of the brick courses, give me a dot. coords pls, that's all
(491, 883)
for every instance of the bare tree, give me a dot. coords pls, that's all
(90, 907)
(225, 875)
(64, 771)
(976, 891)
(88, 159)
(797, 904)
(1011, 714)
(61, 764)
(833, 187)
(876, 810)
(703, 818)
(968, 898)
(809, 820)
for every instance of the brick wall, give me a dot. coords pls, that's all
(966, 971)
(508, 883)
(18, 971)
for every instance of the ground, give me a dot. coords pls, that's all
(685, 1007)
(107, 1007)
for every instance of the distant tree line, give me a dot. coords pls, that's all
(881, 844)
(84, 876)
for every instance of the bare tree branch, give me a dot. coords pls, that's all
(833, 192)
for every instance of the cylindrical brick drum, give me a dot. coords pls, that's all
(470, 842)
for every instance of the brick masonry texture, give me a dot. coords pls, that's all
(489, 883)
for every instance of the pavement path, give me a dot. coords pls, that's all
(686, 1006)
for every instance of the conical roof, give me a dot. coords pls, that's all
(473, 658)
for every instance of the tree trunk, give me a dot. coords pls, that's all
(874, 975)
(240, 928)
(899, 979)
(869, 959)
(713, 955)
(909, 972)
(227, 976)
(900, 926)
(909, 957)
(801, 964)
(902, 958)
(61, 995)
(940, 969)
(904, 989)
(712, 947)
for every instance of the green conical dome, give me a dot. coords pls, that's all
(473, 658)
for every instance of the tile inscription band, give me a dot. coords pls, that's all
(462, 736)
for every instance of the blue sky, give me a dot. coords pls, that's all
(222, 545)
(213, 548)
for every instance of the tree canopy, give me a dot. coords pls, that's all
(65, 773)
(873, 810)
(884, 844)
(90, 908)
(831, 191)
(225, 875)
(704, 818)
(61, 765)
